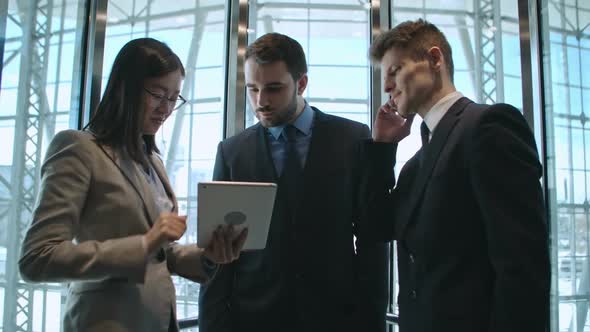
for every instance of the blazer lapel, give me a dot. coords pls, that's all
(318, 150)
(131, 172)
(319, 146)
(429, 155)
(161, 173)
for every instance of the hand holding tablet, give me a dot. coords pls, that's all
(237, 204)
(226, 244)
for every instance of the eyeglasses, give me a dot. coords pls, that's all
(173, 103)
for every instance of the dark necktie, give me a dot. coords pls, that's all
(424, 133)
(291, 176)
(292, 163)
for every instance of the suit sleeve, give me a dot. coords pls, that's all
(372, 262)
(187, 262)
(49, 253)
(377, 194)
(214, 297)
(505, 171)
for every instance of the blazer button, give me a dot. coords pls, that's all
(413, 294)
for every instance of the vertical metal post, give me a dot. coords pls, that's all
(79, 111)
(32, 107)
(380, 18)
(3, 19)
(535, 111)
(489, 72)
(497, 48)
(97, 21)
(380, 22)
(477, 65)
(530, 81)
(237, 36)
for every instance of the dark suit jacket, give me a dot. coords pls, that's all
(308, 278)
(469, 220)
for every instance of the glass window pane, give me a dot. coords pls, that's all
(564, 30)
(38, 98)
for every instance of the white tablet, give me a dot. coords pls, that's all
(241, 204)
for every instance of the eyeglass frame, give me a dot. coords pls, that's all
(160, 98)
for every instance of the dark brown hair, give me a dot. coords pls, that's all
(273, 47)
(415, 37)
(118, 120)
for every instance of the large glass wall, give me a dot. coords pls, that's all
(566, 48)
(43, 75)
(39, 96)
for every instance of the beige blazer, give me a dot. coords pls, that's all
(93, 208)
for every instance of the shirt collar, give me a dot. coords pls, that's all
(436, 113)
(303, 123)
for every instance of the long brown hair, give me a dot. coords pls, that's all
(118, 119)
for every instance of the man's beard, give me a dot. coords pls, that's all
(280, 117)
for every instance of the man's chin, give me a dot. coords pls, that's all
(266, 123)
(406, 114)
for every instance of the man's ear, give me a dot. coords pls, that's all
(436, 58)
(301, 84)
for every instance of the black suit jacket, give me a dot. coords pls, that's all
(309, 277)
(469, 220)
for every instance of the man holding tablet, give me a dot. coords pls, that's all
(310, 276)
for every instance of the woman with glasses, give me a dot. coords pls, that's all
(106, 217)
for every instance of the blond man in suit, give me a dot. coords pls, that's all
(107, 217)
(467, 211)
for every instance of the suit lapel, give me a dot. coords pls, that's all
(131, 172)
(319, 146)
(161, 173)
(429, 155)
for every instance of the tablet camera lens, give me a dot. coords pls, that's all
(235, 218)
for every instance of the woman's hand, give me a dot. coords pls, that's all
(225, 246)
(168, 227)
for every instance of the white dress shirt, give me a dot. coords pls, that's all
(436, 113)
